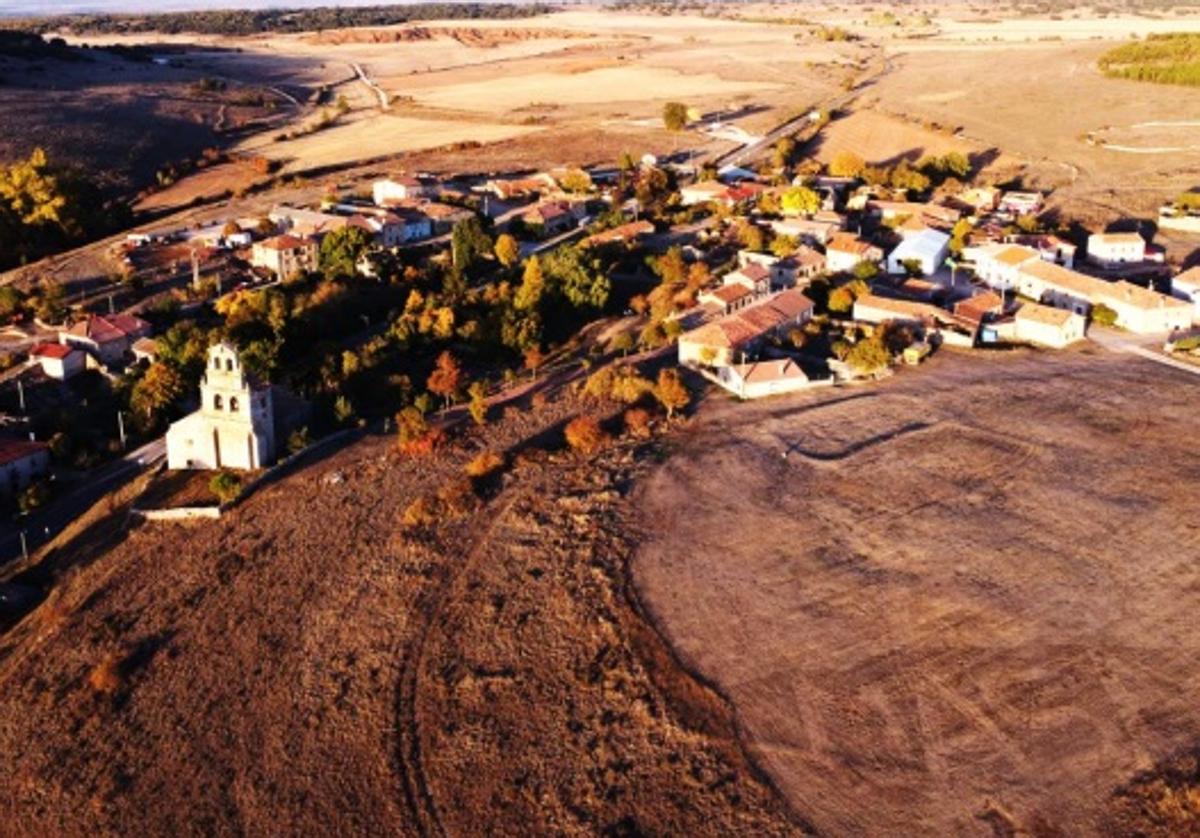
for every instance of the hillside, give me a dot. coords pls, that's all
(305, 662)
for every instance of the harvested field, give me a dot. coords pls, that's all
(879, 138)
(966, 596)
(307, 661)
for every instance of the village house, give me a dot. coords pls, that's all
(725, 299)
(981, 199)
(1049, 247)
(1045, 326)
(401, 188)
(753, 275)
(1110, 250)
(1137, 309)
(845, 251)
(872, 308)
(507, 189)
(759, 379)
(808, 230)
(306, 223)
(701, 192)
(285, 256)
(442, 217)
(798, 268)
(999, 265)
(737, 335)
(1021, 203)
(980, 307)
(21, 463)
(145, 349)
(235, 425)
(106, 337)
(59, 361)
(930, 215)
(1186, 286)
(632, 231)
(927, 250)
(553, 217)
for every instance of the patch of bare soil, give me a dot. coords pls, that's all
(965, 599)
(1161, 802)
(309, 661)
(471, 36)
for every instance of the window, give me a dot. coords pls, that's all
(216, 363)
(229, 365)
(233, 404)
(217, 404)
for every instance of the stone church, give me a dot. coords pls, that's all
(235, 425)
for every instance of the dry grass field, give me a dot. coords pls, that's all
(966, 597)
(306, 663)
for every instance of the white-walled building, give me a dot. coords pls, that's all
(1045, 326)
(235, 425)
(59, 361)
(1186, 286)
(845, 251)
(1112, 249)
(928, 248)
(401, 188)
(285, 256)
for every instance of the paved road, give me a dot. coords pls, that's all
(64, 510)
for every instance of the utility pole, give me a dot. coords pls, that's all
(21, 394)
(24, 547)
(111, 308)
(121, 428)
(195, 271)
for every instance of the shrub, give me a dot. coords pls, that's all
(637, 422)
(419, 513)
(1102, 315)
(584, 434)
(106, 676)
(226, 486)
(484, 464)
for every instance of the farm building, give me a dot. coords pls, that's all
(762, 378)
(1109, 250)
(720, 342)
(927, 249)
(1045, 326)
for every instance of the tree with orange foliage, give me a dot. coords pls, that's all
(446, 378)
(584, 434)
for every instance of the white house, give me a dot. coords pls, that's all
(1108, 250)
(1186, 286)
(702, 192)
(806, 229)
(928, 248)
(1021, 203)
(401, 188)
(999, 265)
(762, 378)
(1045, 326)
(845, 251)
(59, 361)
(725, 341)
(285, 256)
(107, 337)
(235, 425)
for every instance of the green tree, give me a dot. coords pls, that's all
(751, 236)
(868, 355)
(866, 271)
(675, 116)
(341, 249)
(579, 284)
(50, 304)
(12, 301)
(469, 243)
(783, 246)
(577, 181)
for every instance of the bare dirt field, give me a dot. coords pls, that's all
(306, 664)
(966, 599)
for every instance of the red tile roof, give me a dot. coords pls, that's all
(286, 242)
(108, 328)
(51, 350)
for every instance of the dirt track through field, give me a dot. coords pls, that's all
(965, 596)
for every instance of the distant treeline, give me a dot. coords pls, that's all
(251, 22)
(31, 46)
(1163, 59)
